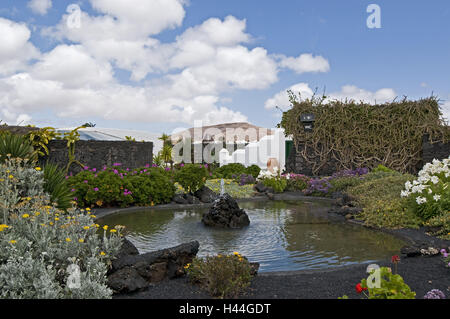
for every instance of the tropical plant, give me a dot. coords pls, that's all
(16, 146)
(57, 187)
(72, 137)
(40, 139)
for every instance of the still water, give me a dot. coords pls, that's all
(282, 235)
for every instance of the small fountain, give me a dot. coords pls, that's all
(225, 212)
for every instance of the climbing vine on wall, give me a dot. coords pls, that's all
(356, 134)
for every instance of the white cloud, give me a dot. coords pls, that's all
(15, 50)
(305, 63)
(72, 66)
(358, 94)
(446, 110)
(350, 92)
(189, 75)
(40, 6)
(281, 99)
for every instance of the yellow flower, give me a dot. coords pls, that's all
(105, 227)
(93, 216)
(37, 213)
(3, 227)
(113, 230)
(187, 266)
(51, 223)
(236, 253)
(38, 169)
(86, 227)
(10, 177)
(88, 209)
(68, 239)
(102, 253)
(81, 240)
(56, 218)
(25, 216)
(97, 225)
(12, 241)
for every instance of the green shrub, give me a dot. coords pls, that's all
(442, 224)
(253, 170)
(340, 184)
(43, 250)
(277, 184)
(227, 171)
(156, 190)
(392, 286)
(191, 177)
(389, 214)
(224, 276)
(383, 188)
(381, 202)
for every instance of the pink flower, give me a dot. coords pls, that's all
(96, 189)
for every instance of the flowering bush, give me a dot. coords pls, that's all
(296, 182)
(273, 180)
(318, 187)
(47, 253)
(116, 186)
(434, 294)
(244, 179)
(224, 276)
(429, 195)
(391, 286)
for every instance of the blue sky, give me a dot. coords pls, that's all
(138, 65)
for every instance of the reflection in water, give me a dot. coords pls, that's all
(281, 236)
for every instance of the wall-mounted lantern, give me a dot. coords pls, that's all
(308, 121)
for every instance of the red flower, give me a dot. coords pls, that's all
(359, 289)
(395, 259)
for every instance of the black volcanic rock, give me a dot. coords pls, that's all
(225, 213)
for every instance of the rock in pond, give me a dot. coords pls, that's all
(206, 195)
(136, 272)
(225, 213)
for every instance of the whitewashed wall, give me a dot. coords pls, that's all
(258, 153)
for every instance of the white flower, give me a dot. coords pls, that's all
(430, 191)
(421, 200)
(404, 194)
(436, 197)
(434, 179)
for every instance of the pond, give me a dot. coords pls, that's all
(282, 236)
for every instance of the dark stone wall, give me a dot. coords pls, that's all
(99, 153)
(296, 164)
(434, 151)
